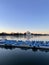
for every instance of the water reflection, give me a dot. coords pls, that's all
(33, 49)
(36, 38)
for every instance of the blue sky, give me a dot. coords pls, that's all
(24, 15)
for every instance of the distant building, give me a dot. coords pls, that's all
(28, 35)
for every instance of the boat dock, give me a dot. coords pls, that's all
(25, 44)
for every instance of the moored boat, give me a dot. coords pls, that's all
(20, 43)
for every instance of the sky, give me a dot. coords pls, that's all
(24, 15)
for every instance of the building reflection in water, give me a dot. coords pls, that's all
(28, 35)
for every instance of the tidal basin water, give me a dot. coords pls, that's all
(24, 56)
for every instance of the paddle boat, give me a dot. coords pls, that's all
(27, 43)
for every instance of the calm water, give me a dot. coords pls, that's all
(24, 56)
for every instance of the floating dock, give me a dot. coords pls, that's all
(25, 44)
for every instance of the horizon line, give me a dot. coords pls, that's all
(26, 31)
